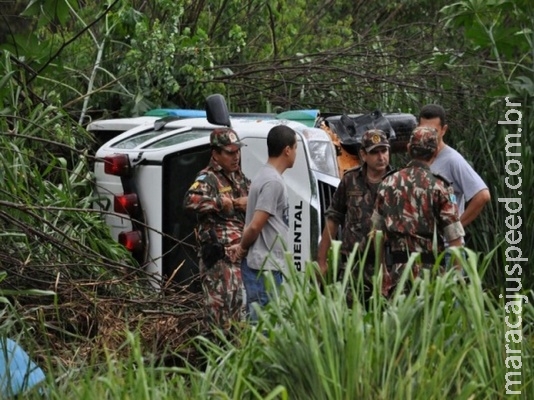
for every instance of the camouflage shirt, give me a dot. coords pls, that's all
(352, 207)
(204, 197)
(413, 203)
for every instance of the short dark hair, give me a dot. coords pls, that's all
(278, 138)
(431, 111)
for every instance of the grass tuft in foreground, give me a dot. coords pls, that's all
(446, 338)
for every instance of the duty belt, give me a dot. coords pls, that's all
(401, 257)
(369, 260)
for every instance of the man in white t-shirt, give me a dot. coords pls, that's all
(469, 188)
(264, 240)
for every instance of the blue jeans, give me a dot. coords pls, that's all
(448, 259)
(255, 287)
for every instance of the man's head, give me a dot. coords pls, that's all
(433, 116)
(375, 150)
(282, 142)
(226, 146)
(423, 143)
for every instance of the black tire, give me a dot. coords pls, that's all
(403, 124)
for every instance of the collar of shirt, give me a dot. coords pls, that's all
(418, 164)
(363, 173)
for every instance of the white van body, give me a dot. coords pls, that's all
(165, 163)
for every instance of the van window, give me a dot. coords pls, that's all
(322, 152)
(133, 141)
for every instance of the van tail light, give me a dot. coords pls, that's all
(117, 164)
(126, 204)
(132, 240)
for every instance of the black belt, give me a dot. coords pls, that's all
(369, 260)
(400, 257)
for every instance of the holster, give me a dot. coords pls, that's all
(211, 250)
(400, 257)
(388, 257)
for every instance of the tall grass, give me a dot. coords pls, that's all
(443, 339)
(487, 150)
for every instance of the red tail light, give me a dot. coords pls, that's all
(117, 164)
(126, 203)
(132, 240)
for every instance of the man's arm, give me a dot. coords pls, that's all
(335, 214)
(250, 234)
(329, 232)
(253, 230)
(475, 206)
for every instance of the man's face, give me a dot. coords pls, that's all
(377, 159)
(228, 158)
(436, 124)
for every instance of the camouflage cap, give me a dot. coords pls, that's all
(374, 138)
(222, 137)
(424, 139)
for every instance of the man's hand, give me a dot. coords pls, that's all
(235, 252)
(240, 203)
(227, 203)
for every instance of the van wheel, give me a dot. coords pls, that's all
(403, 124)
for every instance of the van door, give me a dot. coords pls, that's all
(179, 245)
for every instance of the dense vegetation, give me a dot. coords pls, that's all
(71, 293)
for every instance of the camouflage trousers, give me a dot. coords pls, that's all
(223, 293)
(364, 288)
(395, 271)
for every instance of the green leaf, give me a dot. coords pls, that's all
(6, 78)
(51, 10)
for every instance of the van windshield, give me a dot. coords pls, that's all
(322, 152)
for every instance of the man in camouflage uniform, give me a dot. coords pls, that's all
(416, 209)
(219, 198)
(353, 203)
